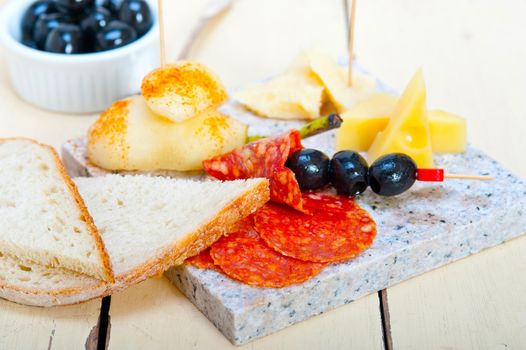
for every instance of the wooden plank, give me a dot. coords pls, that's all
(477, 303)
(68, 327)
(386, 319)
(156, 315)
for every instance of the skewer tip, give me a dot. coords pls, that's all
(469, 177)
(438, 175)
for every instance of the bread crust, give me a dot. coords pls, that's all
(48, 298)
(204, 236)
(85, 216)
(173, 255)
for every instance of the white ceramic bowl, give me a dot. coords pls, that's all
(83, 83)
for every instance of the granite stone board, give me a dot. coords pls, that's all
(429, 226)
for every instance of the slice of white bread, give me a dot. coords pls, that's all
(33, 284)
(147, 224)
(43, 218)
(151, 223)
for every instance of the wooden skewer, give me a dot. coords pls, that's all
(160, 14)
(351, 39)
(437, 175)
(468, 177)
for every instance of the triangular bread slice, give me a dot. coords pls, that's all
(33, 284)
(43, 218)
(151, 223)
(147, 224)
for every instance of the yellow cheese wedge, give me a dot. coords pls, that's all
(334, 78)
(408, 128)
(362, 123)
(448, 132)
(297, 95)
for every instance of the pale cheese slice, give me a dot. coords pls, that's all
(334, 78)
(297, 95)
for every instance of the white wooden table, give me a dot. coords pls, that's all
(474, 57)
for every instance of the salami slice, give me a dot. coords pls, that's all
(338, 229)
(263, 158)
(330, 205)
(244, 256)
(284, 188)
(202, 260)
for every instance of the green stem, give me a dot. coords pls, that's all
(315, 127)
(320, 125)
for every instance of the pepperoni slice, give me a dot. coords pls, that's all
(330, 205)
(202, 260)
(338, 229)
(284, 188)
(244, 256)
(263, 158)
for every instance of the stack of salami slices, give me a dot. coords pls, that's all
(293, 237)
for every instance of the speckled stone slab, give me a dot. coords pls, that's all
(429, 226)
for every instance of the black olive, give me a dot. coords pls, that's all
(74, 7)
(137, 14)
(348, 173)
(32, 14)
(67, 39)
(112, 5)
(311, 168)
(30, 43)
(114, 35)
(45, 24)
(96, 20)
(392, 174)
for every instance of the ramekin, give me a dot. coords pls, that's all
(82, 83)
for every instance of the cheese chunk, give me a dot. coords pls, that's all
(295, 95)
(408, 128)
(362, 123)
(448, 132)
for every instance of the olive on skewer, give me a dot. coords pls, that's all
(311, 168)
(348, 173)
(390, 175)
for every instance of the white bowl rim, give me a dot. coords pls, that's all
(14, 7)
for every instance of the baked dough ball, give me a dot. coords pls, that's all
(182, 90)
(129, 136)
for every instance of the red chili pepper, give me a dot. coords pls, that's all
(430, 175)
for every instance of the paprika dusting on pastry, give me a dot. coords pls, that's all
(182, 90)
(182, 79)
(113, 123)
